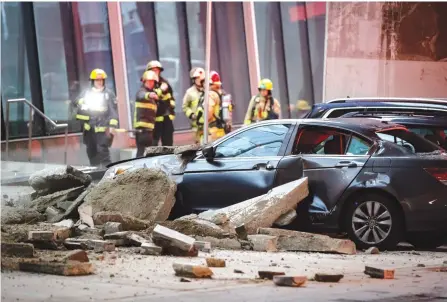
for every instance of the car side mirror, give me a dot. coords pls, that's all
(208, 152)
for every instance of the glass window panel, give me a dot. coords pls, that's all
(14, 68)
(172, 47)
(271, 52)
(299, 75)
(95, 40)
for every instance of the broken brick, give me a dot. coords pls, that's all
(40, 235)
(70, 268)
(72, 244)
(286, 218)
(269, 274)
(224, 243)
(379, 273)
(112, 227)
(148, 248)
(192, 271)
(289, 281)
(215, 262)
(173, 242)
(328, 277)
(77, 255)
(264, 243)
(136, 239)
(203, 246)
(22, 250)
(372, 250)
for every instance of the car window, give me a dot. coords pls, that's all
(255, 142)
(358, 146)
(435, 135)
(409, 140)
(327, 141)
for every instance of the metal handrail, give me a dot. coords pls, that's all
(30, 126)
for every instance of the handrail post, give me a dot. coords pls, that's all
(7, 130)
(30, 133)
(66, 144)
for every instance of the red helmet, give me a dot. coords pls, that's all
(215, 78)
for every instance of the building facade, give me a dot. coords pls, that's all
(311, 51)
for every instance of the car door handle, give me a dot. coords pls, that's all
(266, 166)
(347, 164)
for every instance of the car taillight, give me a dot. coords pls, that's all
(438, 173)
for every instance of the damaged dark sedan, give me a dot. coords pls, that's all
(375, 181)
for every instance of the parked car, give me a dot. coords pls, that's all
(433, 128)
(418, 106)
(376, 181)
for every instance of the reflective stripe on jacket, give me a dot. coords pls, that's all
(259, 110)
(145, 109)
(166, 102)
(191, 102)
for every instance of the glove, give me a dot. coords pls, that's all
(153, 95)
(164, 87)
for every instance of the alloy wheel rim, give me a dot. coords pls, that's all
(371, 222)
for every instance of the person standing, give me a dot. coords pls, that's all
(263, 106)
(145, 111)
(164, 126)
(193, 96)
(96, 108)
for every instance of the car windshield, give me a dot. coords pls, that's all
(409, 140)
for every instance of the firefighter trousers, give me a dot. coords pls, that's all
(97, 144)
(143, 140)
(164, 131)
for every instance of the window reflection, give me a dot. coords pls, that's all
(255, 142)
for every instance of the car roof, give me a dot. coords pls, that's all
(365, 126)
(434, 101)
(412, 120)
(355, 103)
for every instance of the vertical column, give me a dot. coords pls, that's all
(326, 36)
(119, 68)
(252, 45)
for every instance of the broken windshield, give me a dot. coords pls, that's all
(409, 140)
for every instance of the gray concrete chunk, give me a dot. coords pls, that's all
(264, 243)
(58, 179)
(286, 218)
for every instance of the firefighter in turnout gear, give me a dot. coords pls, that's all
(96, 108)
(145, 111)
(193, 96)
(217, 123)
(263, 106)
(164, 126)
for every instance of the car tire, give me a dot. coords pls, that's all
(367, 226)
(428, 241)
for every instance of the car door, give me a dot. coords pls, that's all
(331, 158)
(244, 166)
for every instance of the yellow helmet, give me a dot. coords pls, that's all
(302, 105)
(265, 84)
(98, 74)
(154, 64)
(149, 75)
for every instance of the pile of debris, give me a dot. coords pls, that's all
(131, 210)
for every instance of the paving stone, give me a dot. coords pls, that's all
(173, 242)
(76, 255)
(328, 277)
(112, 227)
(22, 250)
(264, 243)
(192, 271)
(148, 248)
(379, 273)
(203, 246)
(215, 262)
(289, 281)
(269, 274)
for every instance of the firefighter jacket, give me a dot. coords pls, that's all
(97, 109)
(193, 96)
(166, 102)
(214, 111)
(261, 108)
(145, 109)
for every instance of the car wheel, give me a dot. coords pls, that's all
(427, 240)
(374, 220)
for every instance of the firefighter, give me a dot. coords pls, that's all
(145, 111)
(263, 106)
(192, 97)
(218, 116)
(164, 126)
(96, 108)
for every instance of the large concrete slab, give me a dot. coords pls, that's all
(307, 242)
(264, 210)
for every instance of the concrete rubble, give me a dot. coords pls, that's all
(131, 211)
